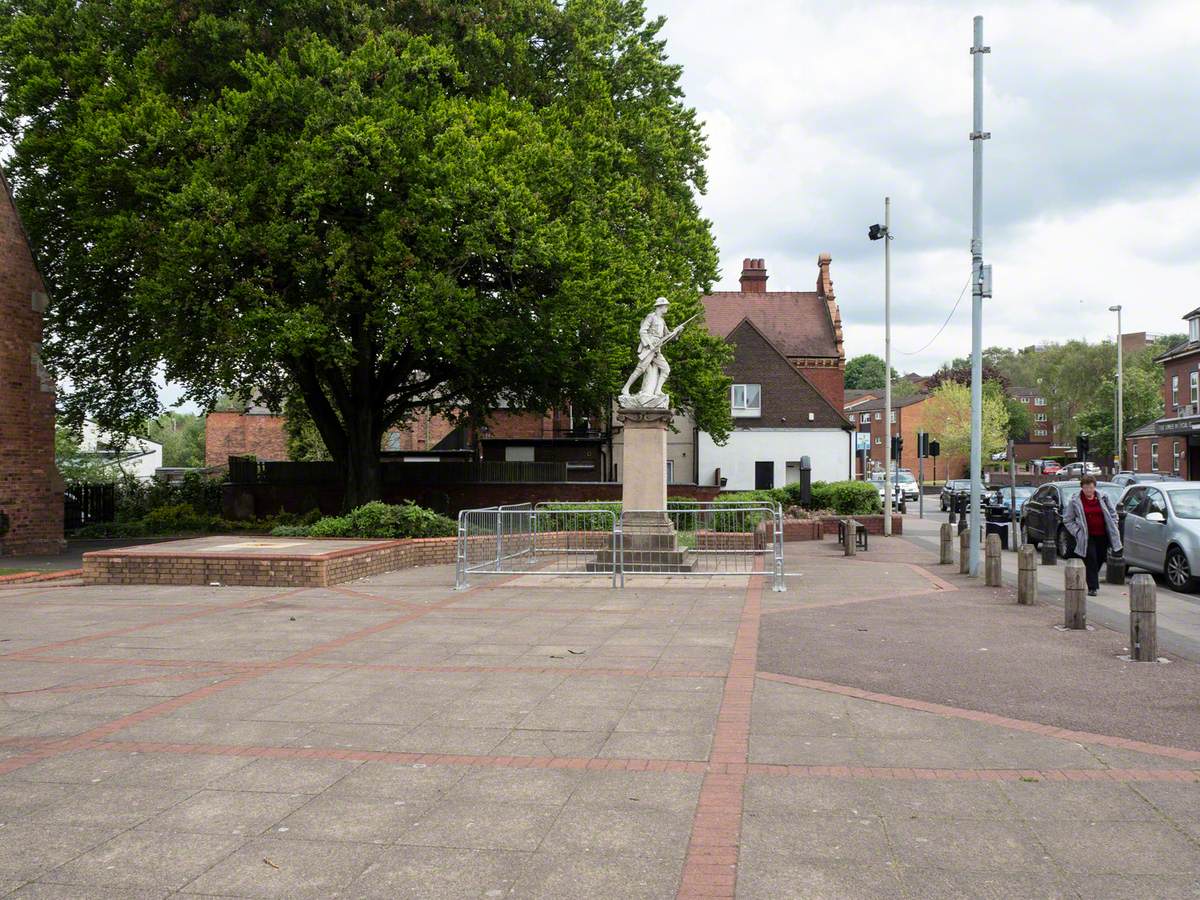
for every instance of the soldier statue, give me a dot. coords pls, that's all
(653, 334)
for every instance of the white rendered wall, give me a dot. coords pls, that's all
(827, 449)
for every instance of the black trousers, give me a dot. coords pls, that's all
(1096, 556)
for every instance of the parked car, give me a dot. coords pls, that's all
(1043, 512)
(954, 487)
(1128, 478)
(999, 502)
(1049, 467)
(1076, 470)
(1160, 525)
(908, 484)
(898, 498)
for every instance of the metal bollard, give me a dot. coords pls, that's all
(1114, 568)
(1143, 615)
(991, 561)
(964, 552)
(1049, 552)
(947, 554)
(1027, 584)
(953, 516)
(1074, 595)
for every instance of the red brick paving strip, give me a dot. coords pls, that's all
(985, 718)
(710, 867)
(28, 577)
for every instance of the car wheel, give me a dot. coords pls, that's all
(1064, 543)
(1178, 571)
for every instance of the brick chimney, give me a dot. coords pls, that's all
(754, 276)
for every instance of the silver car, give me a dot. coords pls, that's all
(1161, 530)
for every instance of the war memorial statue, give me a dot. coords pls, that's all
(652, 366)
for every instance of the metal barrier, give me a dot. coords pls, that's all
(599, 538)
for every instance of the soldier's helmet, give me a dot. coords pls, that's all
(661, 303)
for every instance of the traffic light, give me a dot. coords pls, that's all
(1081, 447)
(935, 448)
(922, 444)
(897, 446)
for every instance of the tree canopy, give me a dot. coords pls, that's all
(378, 207)
(948, 419)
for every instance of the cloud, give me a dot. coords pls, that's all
(815, 111)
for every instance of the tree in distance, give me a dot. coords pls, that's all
(948, 417)
(377, 207)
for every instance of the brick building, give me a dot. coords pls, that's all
(1171, 444)
(909, 416)
(1042, 440)
(31, 491)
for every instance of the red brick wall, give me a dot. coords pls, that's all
(229, 434)
(31, 491)
(1166, 464)
(829, 380)
(1183, 368)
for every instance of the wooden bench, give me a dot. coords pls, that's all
(860, 533)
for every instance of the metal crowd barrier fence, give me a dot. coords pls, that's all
(689, 538)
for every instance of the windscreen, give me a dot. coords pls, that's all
(1186, 504)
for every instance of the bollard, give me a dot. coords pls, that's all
(1114, 568)
(851, 547)
(953, 520)
(947, 556)
(1027, 575)
(964, 552)
(1143, 632)
(991, 561)
(1074, 596)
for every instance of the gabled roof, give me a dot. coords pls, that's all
(838, 414)
(797, 323)
(897, 402)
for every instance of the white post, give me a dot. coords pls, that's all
(977, 138)
(1120, 429)
(887, 365)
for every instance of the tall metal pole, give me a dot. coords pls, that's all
(1120, 429)
(887, 364)
(977, 138)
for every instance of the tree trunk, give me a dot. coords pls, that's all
(361, 467)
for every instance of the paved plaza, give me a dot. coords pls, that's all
(885, 728)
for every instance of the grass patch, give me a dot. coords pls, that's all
(4, 571)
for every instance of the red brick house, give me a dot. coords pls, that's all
(31, 491)
(1171, 444)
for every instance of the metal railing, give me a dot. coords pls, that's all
(689, 538)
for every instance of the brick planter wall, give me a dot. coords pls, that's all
(275, 570)
(874, 524)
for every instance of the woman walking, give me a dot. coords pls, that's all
(1092, 521)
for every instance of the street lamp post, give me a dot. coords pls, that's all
(1120, 429)
(875, 232)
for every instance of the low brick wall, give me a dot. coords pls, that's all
(267, 570)
(874, 524)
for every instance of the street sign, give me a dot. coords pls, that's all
(864, 441)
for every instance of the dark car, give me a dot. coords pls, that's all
(1127, 478)
(1042, 519)
(955, 487)
(999, 502)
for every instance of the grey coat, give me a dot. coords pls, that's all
(1075, 522)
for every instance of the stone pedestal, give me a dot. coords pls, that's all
(648, 537)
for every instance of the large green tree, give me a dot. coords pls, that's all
(378, 206)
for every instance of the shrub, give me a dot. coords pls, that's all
(290, 531)
(381, 520)
(846, 498)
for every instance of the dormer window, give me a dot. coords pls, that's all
(1194, 329)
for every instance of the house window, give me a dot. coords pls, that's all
(1154, 456)
(878, 440)
(865, 418)
(1174, 456)
(1039, 432)
(1174, 390)
(1194, 329)
(1195, 382)
(746, 400)
(1039, 417)
(1039, 401)
(670, 471)
(878, 416)
(518, 454)
(893, 417)
(1135, 465)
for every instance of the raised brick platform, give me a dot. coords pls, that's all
(262, 561)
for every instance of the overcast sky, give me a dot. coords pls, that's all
(815, 111)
